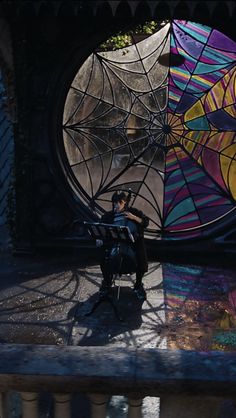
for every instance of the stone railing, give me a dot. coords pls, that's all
(189, 384)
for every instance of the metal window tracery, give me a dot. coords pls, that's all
(157, 117)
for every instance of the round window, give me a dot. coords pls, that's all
(155, 113)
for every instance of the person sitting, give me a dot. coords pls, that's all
(137, 221)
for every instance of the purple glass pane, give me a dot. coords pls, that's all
(222, 120)
(220, 41)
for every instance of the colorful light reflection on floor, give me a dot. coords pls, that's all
(200, 307)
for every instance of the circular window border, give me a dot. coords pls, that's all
(77, 56)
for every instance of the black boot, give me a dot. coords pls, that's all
(105, 288)
(138, 287)
(139, 291)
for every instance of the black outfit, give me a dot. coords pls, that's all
(138, 246)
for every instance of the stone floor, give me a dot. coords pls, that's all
(44, 300)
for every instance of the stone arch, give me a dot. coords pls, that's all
(162, 11)
(143, 11)
(66, 9)
(44, 9)
(220, 15)
(28, 10)
(104, 12)
(54, 50)
(182, 11)
(201, 12)
(123, 11)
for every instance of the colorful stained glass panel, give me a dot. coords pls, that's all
(157, 116)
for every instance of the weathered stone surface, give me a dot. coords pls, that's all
(115, 370)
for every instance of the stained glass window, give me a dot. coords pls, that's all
(158, 117)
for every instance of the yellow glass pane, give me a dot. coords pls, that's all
(231, 110)
(198, 136)
(231, 91)
(194, 112)
(189, 145)
(220, 141)
(230, 151)
(232, 177)
(215, 97)
(224, 164)
(228, 168)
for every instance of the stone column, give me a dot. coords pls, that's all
(62, 405)
(175, 406)
(135, 408)
(29, 404)
(4, 405)
(98, 405)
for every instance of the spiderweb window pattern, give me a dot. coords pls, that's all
(158, 117)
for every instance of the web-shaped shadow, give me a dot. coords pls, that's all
(140, 319)
(33, 309)
(103, 326)
(187, 307)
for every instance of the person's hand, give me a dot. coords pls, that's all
(133, 217)
(99, 242)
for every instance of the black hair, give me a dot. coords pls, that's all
(118, 196)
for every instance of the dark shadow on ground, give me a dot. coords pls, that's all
(34, 310)
(103, 324)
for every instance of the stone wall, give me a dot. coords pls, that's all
(7, 116)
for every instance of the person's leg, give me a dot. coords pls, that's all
(107, 279)
(139, 278)
(138, 286)
(107, 275)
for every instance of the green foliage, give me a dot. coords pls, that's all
(122, 40)
(148, 28)
(116, 42)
